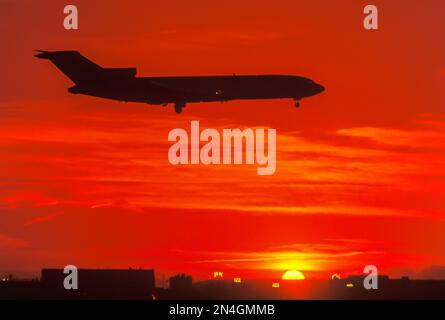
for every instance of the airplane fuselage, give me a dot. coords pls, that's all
(158, 90)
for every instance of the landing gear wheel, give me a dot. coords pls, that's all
(297, 104)
(179, 106)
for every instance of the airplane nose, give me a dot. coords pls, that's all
(319, 88)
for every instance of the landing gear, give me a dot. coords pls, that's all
(297, 103)
(179, 106)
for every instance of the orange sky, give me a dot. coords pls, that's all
(360, 168)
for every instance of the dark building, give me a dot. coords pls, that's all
(140, 285)
(100, 284)
(181, 282)
(388, 289)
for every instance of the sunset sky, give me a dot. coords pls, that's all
(360, 168)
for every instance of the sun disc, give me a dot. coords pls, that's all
(293, 275)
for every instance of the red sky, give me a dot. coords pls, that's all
(360, 168)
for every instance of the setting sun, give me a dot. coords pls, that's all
(293, 275)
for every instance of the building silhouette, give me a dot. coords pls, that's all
(181, 282)
(124, 284)
(100, 284)
(132, 284)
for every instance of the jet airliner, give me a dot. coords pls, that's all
(122, 84)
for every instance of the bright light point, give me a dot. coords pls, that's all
(237, 280)
(350, 285)
(293, 275)
(335, 276)
(275, 285)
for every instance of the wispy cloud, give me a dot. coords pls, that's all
(302, 256)
(397, 137)
(41, 219)
(8, 242)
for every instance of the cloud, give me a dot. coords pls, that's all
(99, 158)
(295, 144)
(7, 242)
(329, 245)
(302, 256)
(321, 210)
(397, 137)
(41, 219)
(433, 123)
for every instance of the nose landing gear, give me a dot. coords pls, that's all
(297, 103)
(179, 106)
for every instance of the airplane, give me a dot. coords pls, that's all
(122, 84)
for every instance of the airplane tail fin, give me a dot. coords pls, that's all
(75, 66)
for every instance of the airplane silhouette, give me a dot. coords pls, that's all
(123, 85)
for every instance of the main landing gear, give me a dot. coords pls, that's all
(297, 103)
(179, 106)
